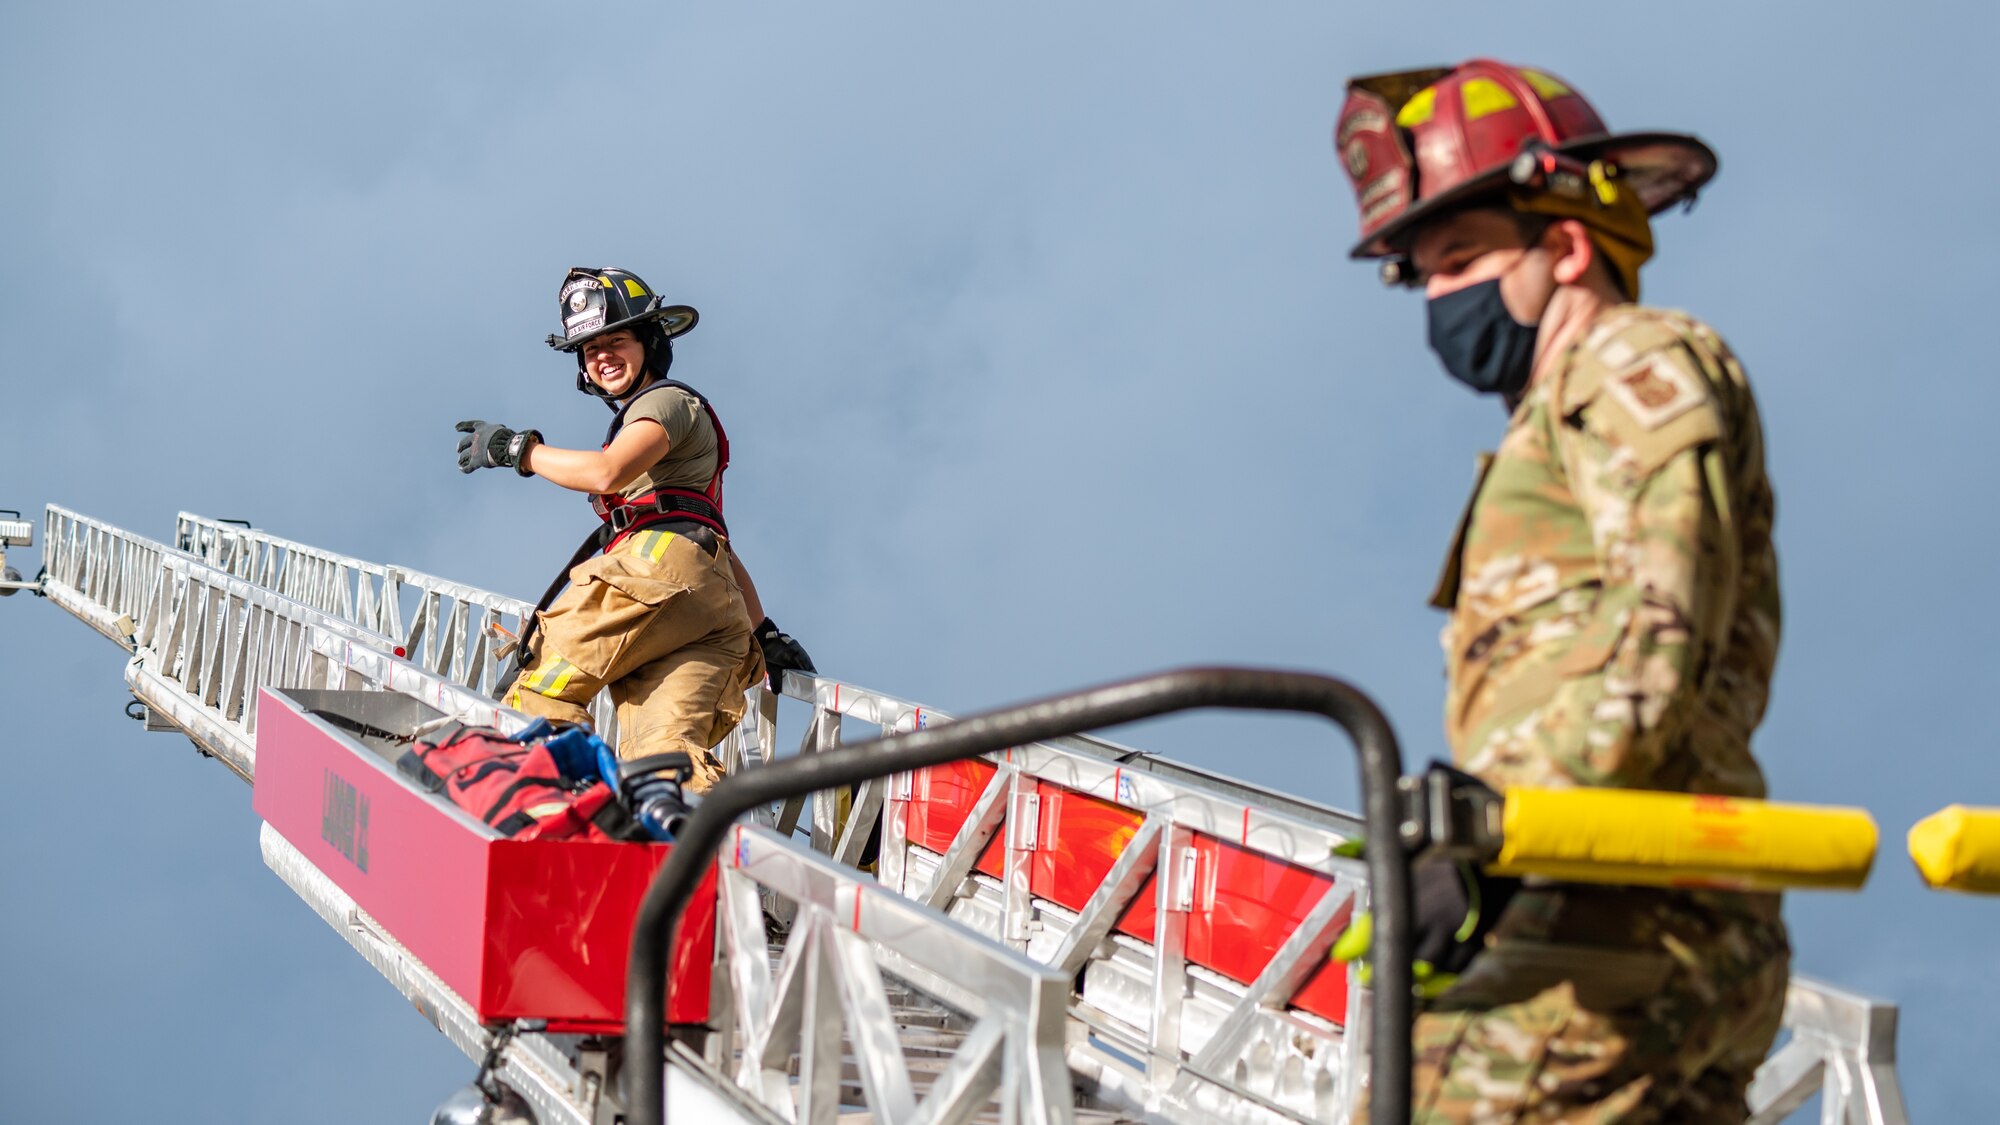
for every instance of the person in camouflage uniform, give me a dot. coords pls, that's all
(1613, 592)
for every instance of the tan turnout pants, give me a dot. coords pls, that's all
(661, 621)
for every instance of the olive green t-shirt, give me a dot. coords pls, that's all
(691, 458)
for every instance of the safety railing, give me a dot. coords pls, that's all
(454, 631)
(1166, 693)
(348, 589)
(1843, 1048)
(865, 967)
(204, 641)
(1233, 1047)
(207, 630)
(102, 574)
(1841, 1044)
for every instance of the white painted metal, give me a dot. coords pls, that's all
(1214, 1048)
(1843, 1048)
(1171, 1010)
(229, 610)
(204, 639)
(848, 937)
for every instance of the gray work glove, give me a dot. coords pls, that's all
(489, 445)
(782, 653)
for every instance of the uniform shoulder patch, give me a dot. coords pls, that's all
(1640, 355)
(1657, 389)
(1638, 386)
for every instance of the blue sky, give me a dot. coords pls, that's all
(1042, 364)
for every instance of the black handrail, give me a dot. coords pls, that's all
(1073, 713)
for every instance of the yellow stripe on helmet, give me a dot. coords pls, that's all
(1484, 96)
(1545, 85)
(1418, 109)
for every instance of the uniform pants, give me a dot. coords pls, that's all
(1665, 1023)
(659, 620)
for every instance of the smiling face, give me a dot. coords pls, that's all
(616, 362)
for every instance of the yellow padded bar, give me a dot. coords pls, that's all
(1679, 840)
(1957, 848)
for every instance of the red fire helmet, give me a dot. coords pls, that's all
(1418, 142)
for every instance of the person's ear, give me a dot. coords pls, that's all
(1569, 242)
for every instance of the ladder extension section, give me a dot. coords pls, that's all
(1142, 937)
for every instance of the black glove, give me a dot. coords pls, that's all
(1457, 904)
(488, 445)
(781, 653)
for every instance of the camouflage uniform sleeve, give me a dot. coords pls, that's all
(1640, 444)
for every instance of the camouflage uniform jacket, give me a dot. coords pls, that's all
(1613, 591)
(1614, 622)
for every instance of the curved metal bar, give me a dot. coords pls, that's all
(1072, 713)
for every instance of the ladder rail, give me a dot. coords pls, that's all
(847, 938)
(207, 636)
(1108, 705)
(204, 640)
(1163, 1005)
(208, 626)
(456, 631)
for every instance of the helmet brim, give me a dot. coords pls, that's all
(675, 320)
(1661, 168)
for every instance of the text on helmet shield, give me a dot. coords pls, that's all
(1375, 158)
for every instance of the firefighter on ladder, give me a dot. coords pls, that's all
(657, 606)
(1613, 596)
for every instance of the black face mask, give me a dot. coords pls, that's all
(1480, 342)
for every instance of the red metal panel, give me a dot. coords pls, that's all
(1254, 902)
(1247, 903)
(1324, 993)
(518, 929)
(941, 797)
(1081, 837)
(406, 862)
(594, 890)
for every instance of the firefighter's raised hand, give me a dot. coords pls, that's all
(489, 445)
(782, 653)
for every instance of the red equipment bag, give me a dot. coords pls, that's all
(518, 788)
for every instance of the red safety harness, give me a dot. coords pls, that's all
(622, 517)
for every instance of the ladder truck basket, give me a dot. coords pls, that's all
(519, 929)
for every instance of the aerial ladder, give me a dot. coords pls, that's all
(1050, 928)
